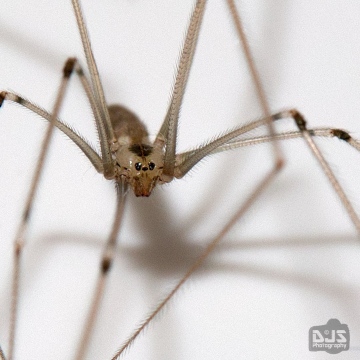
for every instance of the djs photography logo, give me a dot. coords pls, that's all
(333, 337)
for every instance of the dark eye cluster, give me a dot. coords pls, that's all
(138, 166)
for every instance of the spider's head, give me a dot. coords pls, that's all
(141, 165)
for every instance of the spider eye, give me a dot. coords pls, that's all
(138, 166)
(151, 165)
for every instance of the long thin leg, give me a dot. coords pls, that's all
(106, 262)
(105, 130)
(67, 130)
(301, 123)
(168, 129)
(318, 132)
(230, 141)
(20, 238)
(256, 79)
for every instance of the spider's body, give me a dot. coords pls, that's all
(136, 159)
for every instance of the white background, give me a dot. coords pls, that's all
(291, 263)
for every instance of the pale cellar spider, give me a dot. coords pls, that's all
(291, 262)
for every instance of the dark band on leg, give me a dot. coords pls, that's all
(69, 67)
(341, 134)
(2, 97)
(105, 265)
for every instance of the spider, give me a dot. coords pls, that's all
(233, 166)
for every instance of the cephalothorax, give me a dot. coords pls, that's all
(135, 158)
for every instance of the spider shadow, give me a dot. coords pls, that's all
(168, 250)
